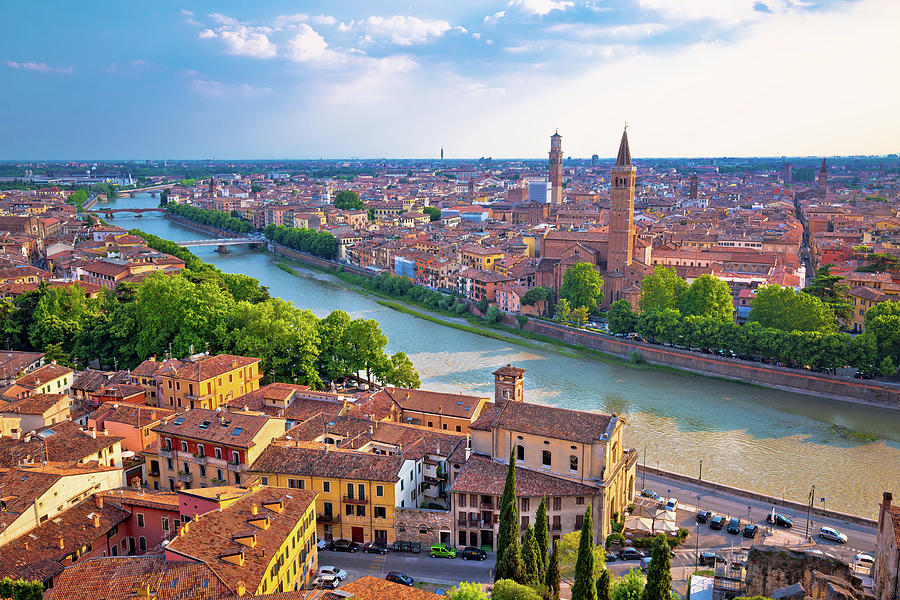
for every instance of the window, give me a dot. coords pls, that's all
(431, 423)
(379, 490)
(350, 490)
(140, 519)
(579, 500)
(524, 523)
(380, 512)
(142, 544)
(200, 450)
(462, 499)
(265, 480)
(458, 429)
(573, 463)
(219, 453)
(202, 471)
(326, 486)
(557, 523)
(219, 475)
(361, 489)
(165, 523)
(545, 458)
(360, 510)
(348, 508)
(525, 504)
(235, 457)
(520, 452)
(557, 503)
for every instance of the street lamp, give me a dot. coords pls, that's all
(812, 494)
(698, 530)
(701, 471)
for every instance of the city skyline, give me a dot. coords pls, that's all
(200, 80)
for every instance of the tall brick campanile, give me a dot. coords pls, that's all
(621, 222)
(556, 160)
(823, 179)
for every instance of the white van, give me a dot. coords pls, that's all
(863, 562)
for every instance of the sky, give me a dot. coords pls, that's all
(367, 79)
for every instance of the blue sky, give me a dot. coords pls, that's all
(369, 79)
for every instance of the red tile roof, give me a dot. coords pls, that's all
(483, 476)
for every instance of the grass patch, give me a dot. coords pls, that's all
(286, 268)
(849, 434)
(705, 573)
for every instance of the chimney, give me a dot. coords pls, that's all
(886, 499)
(241, 588)
(62, 543)
(254, 510)
(96, 520)
(142, 590)
(98, 500)
(26, 545)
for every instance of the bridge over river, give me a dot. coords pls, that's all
(222, 244)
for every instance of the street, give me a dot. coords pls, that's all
(420, 567)
(860, 538)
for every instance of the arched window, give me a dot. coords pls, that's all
(573, 463)
(520, 452)
(142, 544)
(546, 458)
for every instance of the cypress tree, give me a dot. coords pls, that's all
(509, 563)
(659, 574)
(508, 526)
(542, 533)
(585, 588)
(604, 586)
(553, 578)
(530, 561)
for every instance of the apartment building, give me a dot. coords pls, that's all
(205, 381)
(205, 448)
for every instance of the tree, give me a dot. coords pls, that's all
(482, 305)
(255, 188)
(509, 559)
(585, 587)
(879, 263)
(563, 311)
(707, 296)
(604, 586)
(19, 589)
(521, 320)
(621, 318)
(530, 560)
(467, 591)
(493, 315)
(629, 587)
(659, 573)
(783, 308)
(661, 289)
(433, 212)
(831, 290)
(507, 589)
(883, 323)
(539, 294)
(542, 533)
(400, 372)
(59, 317)
(552, 582)
(568, 555)
(365, 343)
(582, 286)
(580, 315)
(659, 325)
(348, 200)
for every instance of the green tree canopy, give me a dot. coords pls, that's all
(783, 308)
(659, 573)
(604, 586)
(621, 318)
(433, 212)
(509, 558)
(347, 200)
(585, 587)
(542, 533)
(467, 591)
(568, 554)
(883, 323)
(507, 589)
(582, 286)
(563, 311)
(552, 582)
(707, 296)
(661, 289)
(831, 290)
(629, 587)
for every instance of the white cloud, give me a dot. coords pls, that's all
(308, 45)
(491, 19)
(322, 20)
(476, 35)
(404, 31)
(217, 89)
(206, 34)
(541, 7)
(38, 66)
(223, 19)
(247, 41)
(630, 31)
(730, 12)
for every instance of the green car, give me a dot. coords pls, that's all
(442, 551)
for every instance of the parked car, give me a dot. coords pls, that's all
(610, 556)
(780, 520)
(375, 548)
(645, 564)
(472, 553)
(401, 578)
(864, 561)
(734, 526)
(649, 494)
(442, 551)
(710, 558)
(325, 582)
(345, 546)
(750, 530)
(717, 522)
(631, 553)
(397, 546)
(339, 574)
(829, 533)
(324, 545)
(703, 516)
(671, 504)
(415, 547)
(404, 546)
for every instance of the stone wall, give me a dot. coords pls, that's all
(770, 568)
(423, 525)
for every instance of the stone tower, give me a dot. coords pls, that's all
(823, 179)
(212, 187)
(787, 173)
(695, 187)
(556, 160)
(621, 210)
(509, 384)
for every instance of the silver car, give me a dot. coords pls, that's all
(828, 533)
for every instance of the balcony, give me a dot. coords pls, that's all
(349, 500)
(216, 481)
(200, 459)
(166, 453)
(236, 467)
(328, 518)
(487, 505)
(556, 527)
(185, 477)
(153, 473)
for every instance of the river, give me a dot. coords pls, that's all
(766, 440)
